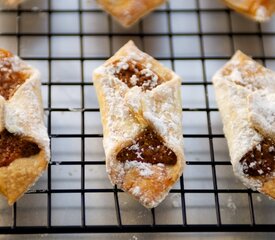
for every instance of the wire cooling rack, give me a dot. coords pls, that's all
(66, 40)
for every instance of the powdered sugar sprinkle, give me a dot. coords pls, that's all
(144, 168)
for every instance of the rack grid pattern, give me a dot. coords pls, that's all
(194, 36)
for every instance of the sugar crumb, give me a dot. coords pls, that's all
(176, 200)
(136, 191)
(144, 168)
(259, 199)
(231, 204)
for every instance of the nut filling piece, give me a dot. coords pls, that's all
(135, 74)
(13, 147)
(148, 147)
(260, 161)
(10, 78)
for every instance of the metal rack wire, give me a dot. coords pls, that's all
(184, 225)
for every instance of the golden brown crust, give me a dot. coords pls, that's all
(127, 12)
(149, 188)
(22, 115)
(11, 3)
(20, 175)
(126, 112)
(259, 10)
(269, 188)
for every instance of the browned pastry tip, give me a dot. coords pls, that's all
(11, 3)
(258, 10)
(128, 12)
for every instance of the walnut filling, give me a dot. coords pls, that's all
(13, 147)
(148, 147)
(260, 161)
(135, 74)
(10, 78)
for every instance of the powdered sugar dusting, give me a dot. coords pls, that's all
(145, 169)
(258, 147)
(260, 171)
(12, 64)
(121, 65)
(262, 13)
(134, 74)
(165, 112)
(134, 147)
(249, 74)
(261, 107)
(119, 114)
(134, 80)
(136, 191)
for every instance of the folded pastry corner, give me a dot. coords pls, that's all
(245, 96)
(24, 142)
(141, 112)
(128, 12)
(258, 10)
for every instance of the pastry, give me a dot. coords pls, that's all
(141, 112)
(259, 10)
(11, 2)
(245, 93)
(127, 12)
(24, 143)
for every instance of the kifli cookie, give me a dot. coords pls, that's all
(141, 114)
(245, 93)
